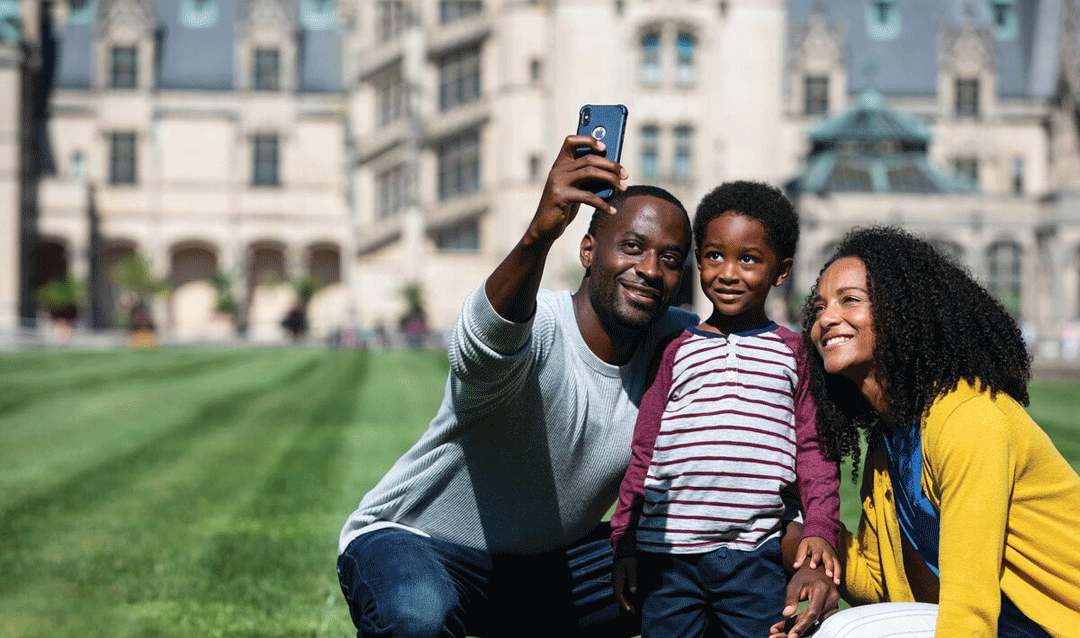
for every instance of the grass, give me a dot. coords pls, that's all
(200, 492)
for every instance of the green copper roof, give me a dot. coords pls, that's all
(10, 21)
(871, 148)
(871, 119)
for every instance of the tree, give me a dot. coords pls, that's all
(62, 298)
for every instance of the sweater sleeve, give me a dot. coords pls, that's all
(971, 467)
(819, 477)
(490, 357)
(632, 489)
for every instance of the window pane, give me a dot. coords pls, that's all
(265, 168)
(267, 69)
(393, 190)
(450, 10)
(967, 98)
(459, 78)
(684, 58)
(122, 158)
(682, 168)
(967, 168)
(650, 58)
(464, 237)
(650, 151)
(1005, 275)
(124, 71)
(816, 95)
(390, 19)
(459, 166)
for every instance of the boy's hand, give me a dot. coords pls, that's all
(561, 198)
(626, 582)
(819, 552)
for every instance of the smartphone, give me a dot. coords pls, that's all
(607, 123)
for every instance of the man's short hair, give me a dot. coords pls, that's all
(599, 217)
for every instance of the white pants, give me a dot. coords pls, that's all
(883, 620)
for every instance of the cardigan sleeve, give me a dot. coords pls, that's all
(819, 476)
(860, 553)
(971, 474)
(632, 489)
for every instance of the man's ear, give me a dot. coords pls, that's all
(784, 271)
(586, 251)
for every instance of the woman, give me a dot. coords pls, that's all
(966, 502)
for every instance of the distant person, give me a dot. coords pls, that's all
(727, 424)
(968, 508)
(491, 523)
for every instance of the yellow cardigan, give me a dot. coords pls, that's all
(1010, 520)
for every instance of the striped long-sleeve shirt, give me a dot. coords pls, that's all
(726, 424)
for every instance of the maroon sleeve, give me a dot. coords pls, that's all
(632, 489)
(819, 477)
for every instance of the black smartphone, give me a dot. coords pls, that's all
(607, 123)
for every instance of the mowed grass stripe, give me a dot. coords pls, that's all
(22, 385)
(174, 546)
(46, 444)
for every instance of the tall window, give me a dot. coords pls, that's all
(967, 168)
(650, 58)
(682, 169)
(265, 165)
(390, 19)
(459, 166)
(393, 191)
(815, 95)
(685, 45)
(462, 237)
(267, 71)
(391, 99)
(1018, 176)
(967, 97)
(450, 10)
(650, 151)
(459, 78)
(122, 158)
(124, 69)
(1004, 281)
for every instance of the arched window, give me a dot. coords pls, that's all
(1004, 274)
(650, 57)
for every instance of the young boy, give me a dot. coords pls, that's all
(726, 424)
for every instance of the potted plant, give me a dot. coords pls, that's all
(295, 321)
(133, 275)
(61, 298)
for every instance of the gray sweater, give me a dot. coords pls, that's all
(531, 441)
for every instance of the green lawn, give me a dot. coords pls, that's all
(199, 493)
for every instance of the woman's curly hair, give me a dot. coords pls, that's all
(934, 326)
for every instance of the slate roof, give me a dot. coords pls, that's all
(908, 64)
(201, 56)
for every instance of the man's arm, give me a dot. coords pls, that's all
(511, 288)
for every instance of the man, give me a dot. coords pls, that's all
(491, 523)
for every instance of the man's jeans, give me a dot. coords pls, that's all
(404, 585)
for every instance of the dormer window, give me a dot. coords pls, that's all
(267, 71)
(967, 97)
(124, 67)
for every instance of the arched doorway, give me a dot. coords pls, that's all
(269, 294)
(327, 310)
(193, 296)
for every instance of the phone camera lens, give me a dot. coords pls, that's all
(586, 115)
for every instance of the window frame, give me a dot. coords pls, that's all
(458, 166)
(124, 66)
(459, 77)
(266, 160)
(123, 158)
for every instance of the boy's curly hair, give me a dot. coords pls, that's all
(934, 326)
(755, 200)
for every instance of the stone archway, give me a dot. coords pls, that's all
(192, 267)
(269, 294)
(327, 310)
